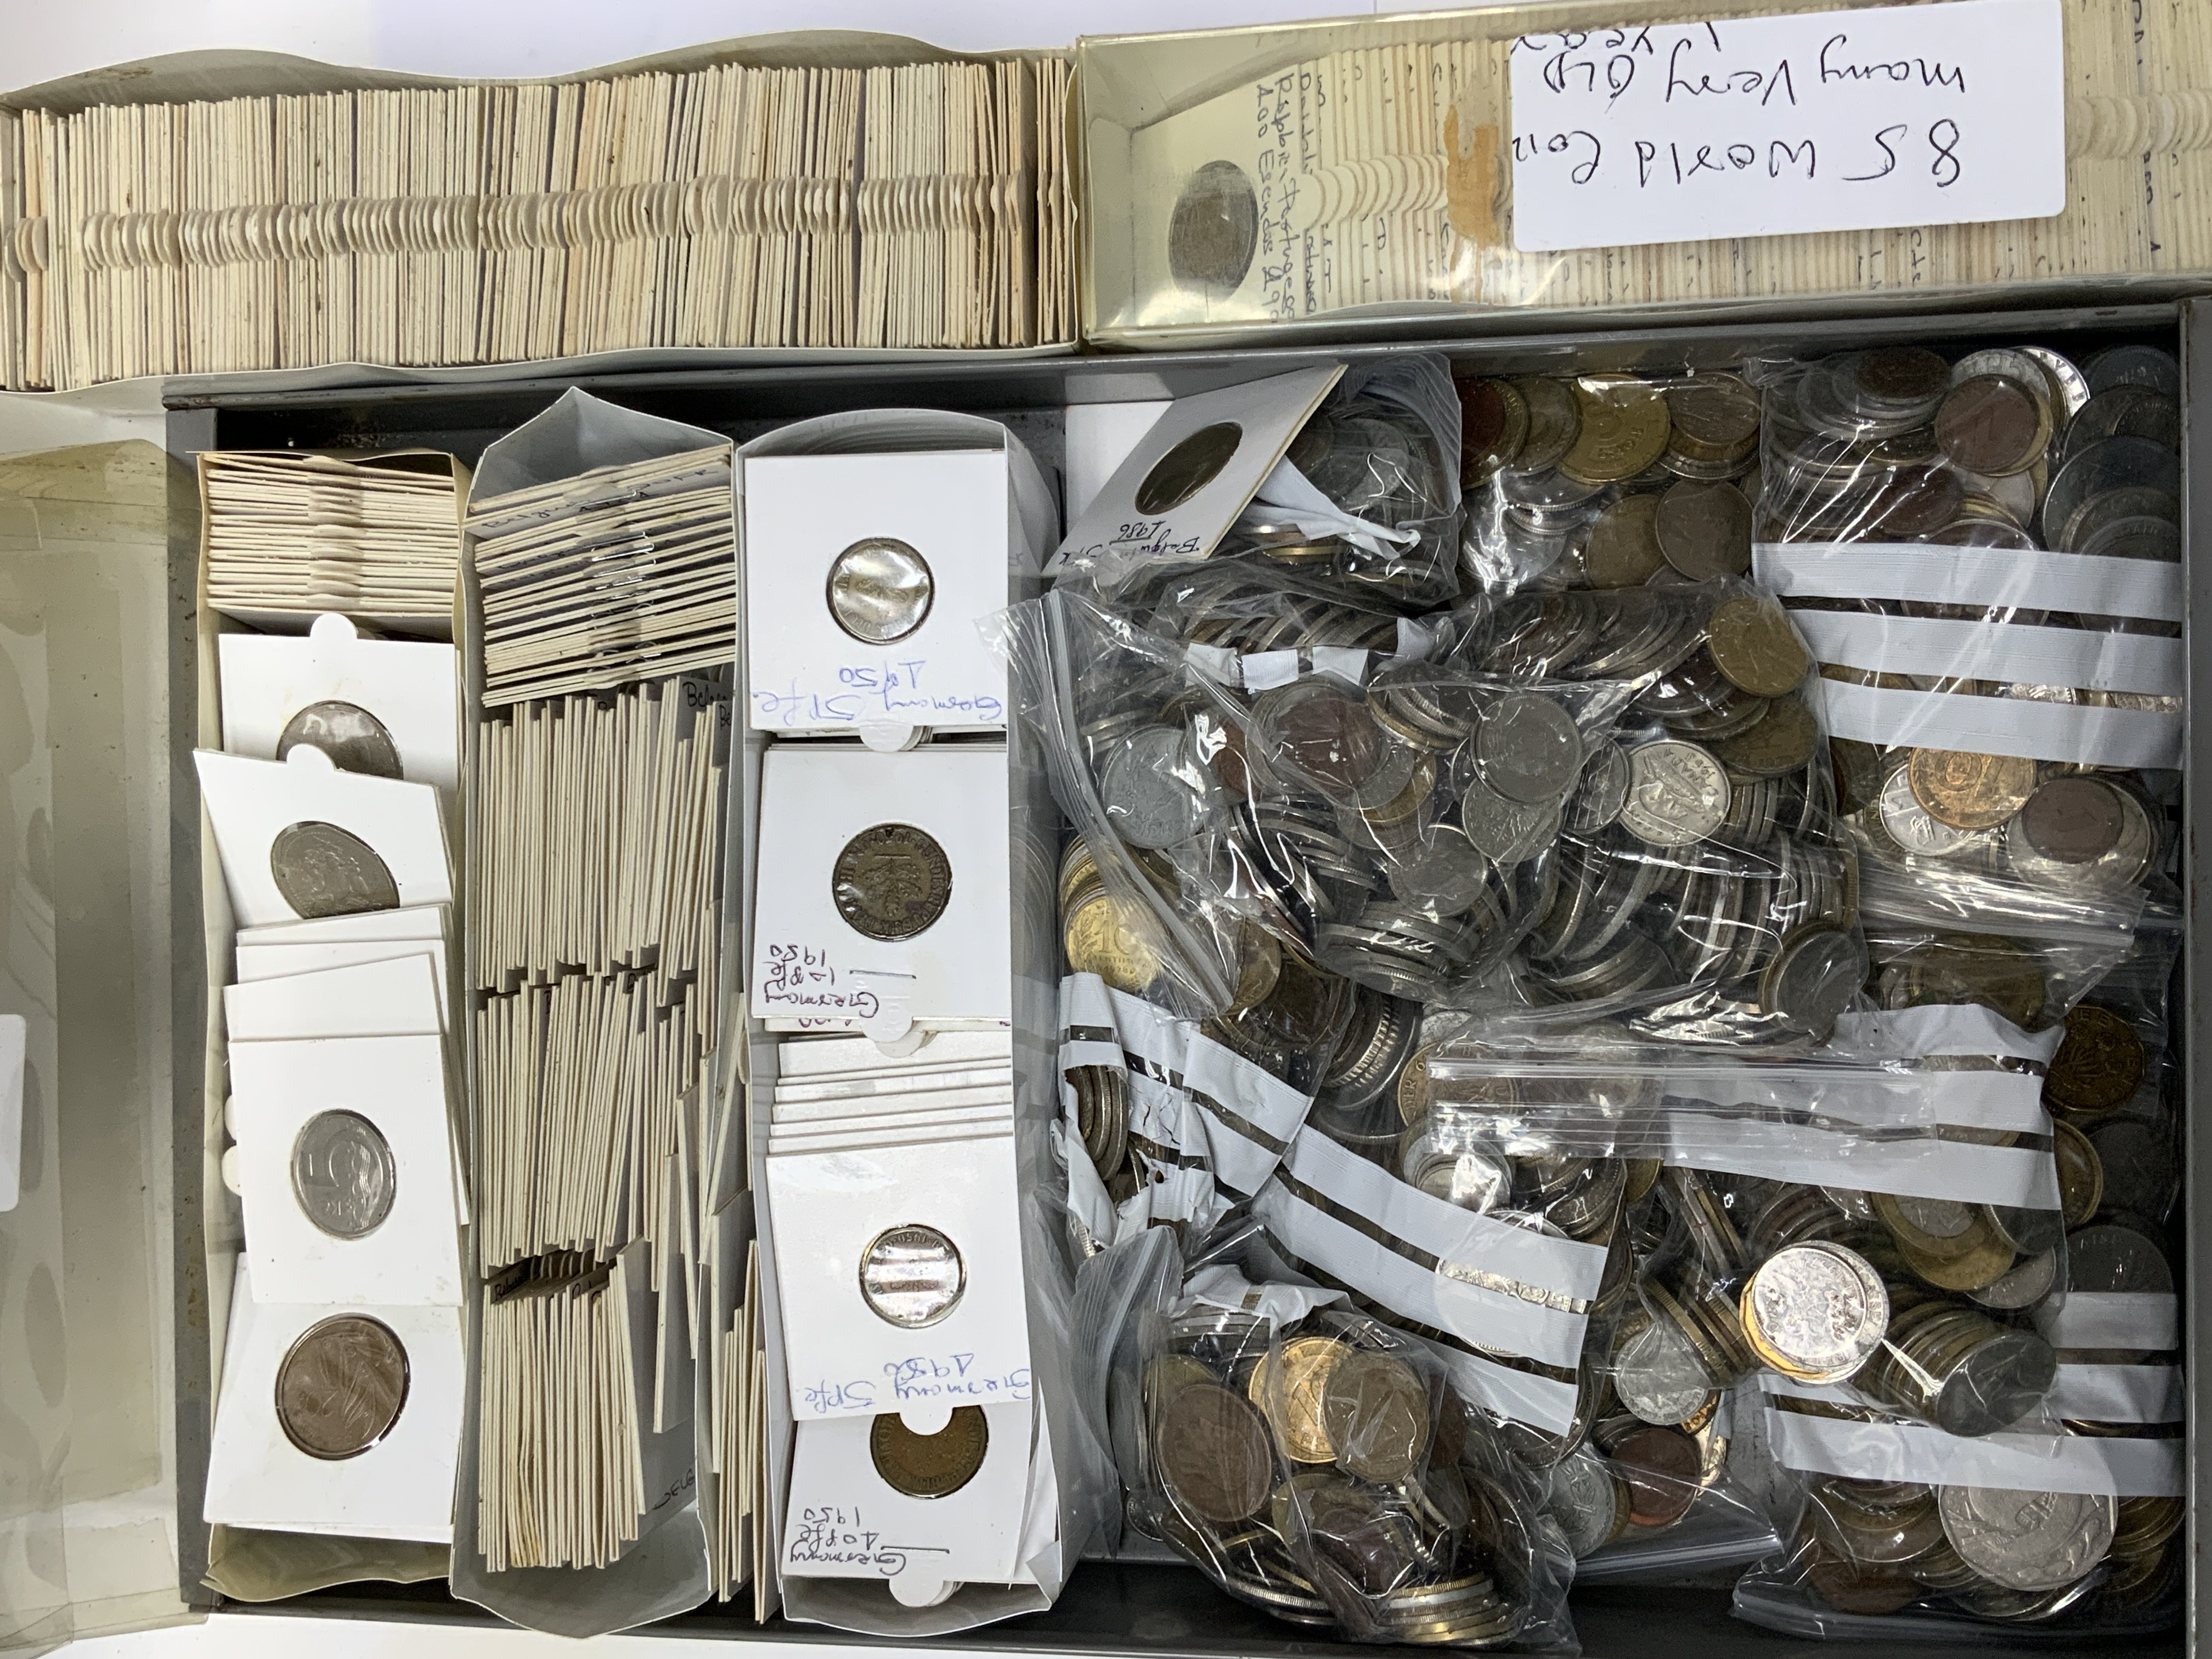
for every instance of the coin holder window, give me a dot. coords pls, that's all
(889, 840)
(1156, 507)
(872, 1498)
(866, 576)
(827, 1209)
(388, 708)
(374, 1473)
(299, 833)
(338, 1211)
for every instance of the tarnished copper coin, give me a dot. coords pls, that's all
(1969, 791)
(1187, 468)
(1213, 1453)
(1704, 529)
(1493, 425)
(1993, 425)
(355, 739)
(1213, 229)
(930, 1465)
(341, 1387)
(891, 881)
(2099, 1067)
(1623, 551)
(324, 871)
(1660, 1466)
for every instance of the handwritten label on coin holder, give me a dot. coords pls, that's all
(1766, 126)
(841, 1358)
(802, 513)
(401, 1487)
(411, 687)
(844, 1520)
(809, 962)
(252, 802)
(1177, 493)
(412, 1257)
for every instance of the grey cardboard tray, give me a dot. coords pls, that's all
(1130, 1607)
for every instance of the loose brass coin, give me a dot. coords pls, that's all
(321, 870)
(355, 739)
(1112, 940)
(341, 1387)
(2080, 1175)
(891, 881)
(1187, 468)
(930, 1465)
(2100, 1066)
(1752, 644)
(1214, 1458)
(1375, 1409)
(1968, 791)
(1624, 546)
(1624, 429)
(1288, 1396)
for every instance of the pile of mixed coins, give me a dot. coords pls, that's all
(1321, 1474)
(2014, 449)
(1607, 480)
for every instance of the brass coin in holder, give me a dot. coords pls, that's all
(341, 1387)
(930, 1465)
(891, 881)
(342, 1174)
(912, 1276)
(879, 590)
(321, 870)
(355, 739)
(1187, 468)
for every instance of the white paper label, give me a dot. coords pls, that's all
(1764, 126)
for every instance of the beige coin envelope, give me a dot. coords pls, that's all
(1183, 482)
(410, 688)
(912, 550)
(399, 1487)
(425, 922)
(398, 998)
(809, 960)
(833, 1209)
(844, 1519)
(402, 1205)
(252, 803)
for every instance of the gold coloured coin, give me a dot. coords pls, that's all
(1414, 1087)
(2081, 1174)
(1988, 1256)
(1288, 1396)
(2100, 1066)
(1968, 791)
(930, 1465)
(891, 881)
(1752, 644)
(1624, 429)
(1375, 1409)
(1108, 938)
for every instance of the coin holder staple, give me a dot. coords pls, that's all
(1180, 488)
(875, 1498)
(298, 838)
(389, 708)
(342, 1419)
(866, 577)
(346, 1170)
(899, 1274)
(882, 877)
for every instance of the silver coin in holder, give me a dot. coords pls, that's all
(355, 739)
(342, 1174)
(322, 870)
(912, 1276)
(880, 590)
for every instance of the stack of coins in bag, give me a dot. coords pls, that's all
(2011, 451)
(1325, 1473)
(1608, 481)
(1700, 846)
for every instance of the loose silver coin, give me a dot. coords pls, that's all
(1528, 750)
(321, 870)
(342, 1174)
(880, 590)
(355, 739)
(912, 1276)
(1678, 793)
(2026, 1540)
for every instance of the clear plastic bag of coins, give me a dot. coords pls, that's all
(1408, 1517)
(1366, 499)
(1920, 538)
(1608, 482)
(1248, 605)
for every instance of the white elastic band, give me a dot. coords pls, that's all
(2003, 726)
(2011, 1463)
(2146, 1320)
(2018, 653)
(1915, 1167)
(1878, 1100)
(1988, 578)
(2117, 1394)
(1942, 1028)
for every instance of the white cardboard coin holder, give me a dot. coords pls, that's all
(955, 512)
(808, 961)
(844, 1520)
(841, 1357)
(252, 802)
(398, 998)
(401, 1487)
(398, 1084)
(428, 922)
(412, 687)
